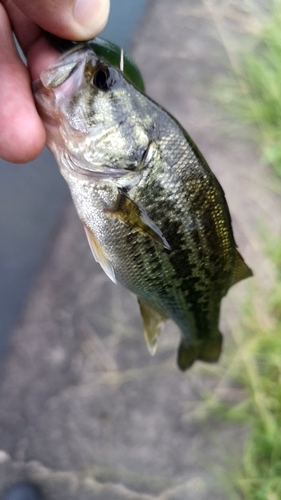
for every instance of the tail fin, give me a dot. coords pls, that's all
(208, 351)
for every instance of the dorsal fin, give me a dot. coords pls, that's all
(241, 270)
(153, 322)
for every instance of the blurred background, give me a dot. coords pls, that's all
(85, 412)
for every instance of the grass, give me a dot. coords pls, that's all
(255, 98)
(257, 368)
(257, 90)
(249, 390)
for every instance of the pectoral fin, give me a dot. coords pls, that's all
(152, 324)
(99, 254)
(208, 351)
(135, 216)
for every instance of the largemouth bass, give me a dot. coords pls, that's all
(154, 214)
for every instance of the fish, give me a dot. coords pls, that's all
(154, 213)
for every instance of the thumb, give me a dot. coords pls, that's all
(71, 19)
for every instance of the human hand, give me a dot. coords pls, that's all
(22, 134)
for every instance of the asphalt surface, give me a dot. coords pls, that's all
(85, 412)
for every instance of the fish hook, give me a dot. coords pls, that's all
(121, 60)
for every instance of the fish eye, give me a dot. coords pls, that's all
(100, 78)
(104, 78)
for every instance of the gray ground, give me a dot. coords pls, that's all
(85, 412)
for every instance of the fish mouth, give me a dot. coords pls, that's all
(49, 113)
(65, 66)
(56, 83)
(45, 103)
(60, 81)
(73, 164)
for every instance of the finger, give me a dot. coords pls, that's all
(26, 30)
(22, 133)
(72, 19)
(40, 56)
(37, 50)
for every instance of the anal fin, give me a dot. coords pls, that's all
(99, 254)
(135, 216)
(152, 324)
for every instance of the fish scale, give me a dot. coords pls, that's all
(155, 215)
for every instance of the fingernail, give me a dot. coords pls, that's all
(92, 14)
